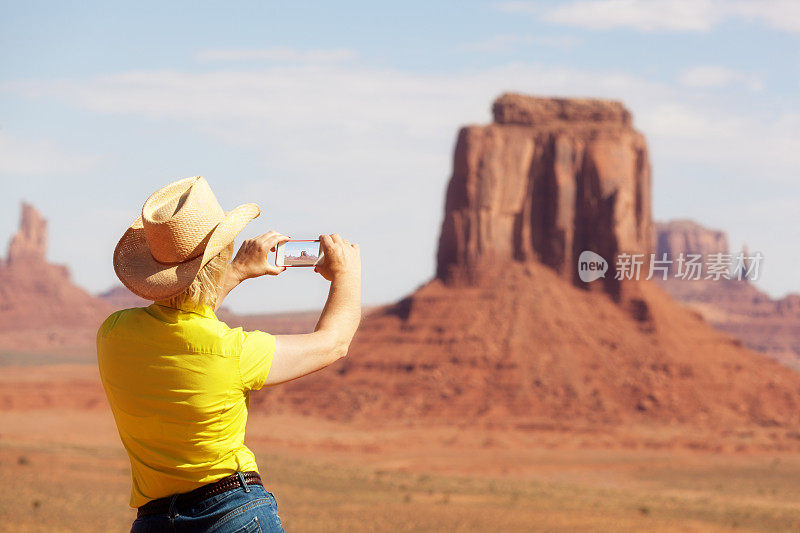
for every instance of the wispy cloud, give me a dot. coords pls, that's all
(25, 157)
(704, 76)
(496, 44)
(662, 15)
(393, 122)
(275, 54)
(642, 15)
(778, 14)
(559, 41)
(509, 43)
(768, 149)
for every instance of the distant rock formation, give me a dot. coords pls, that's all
(503, 336)
(734, 306)
(29, 244)
(276, 323)
(688, 237)
(547, 180)
(39, 305)
(119, 297)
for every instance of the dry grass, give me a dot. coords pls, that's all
(84, 488)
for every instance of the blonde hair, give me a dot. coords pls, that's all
(206, 285)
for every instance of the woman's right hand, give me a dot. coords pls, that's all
(339, 257)
(251, 259)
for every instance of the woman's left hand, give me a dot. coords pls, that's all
(251, 259)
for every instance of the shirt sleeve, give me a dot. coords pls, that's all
(258, 348)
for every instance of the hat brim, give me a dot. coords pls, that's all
(152, 280)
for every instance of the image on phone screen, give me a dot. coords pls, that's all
(299, 253)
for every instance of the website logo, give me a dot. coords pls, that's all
(591, 266)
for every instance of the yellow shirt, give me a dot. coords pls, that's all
(177, 381)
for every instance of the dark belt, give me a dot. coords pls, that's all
(187, 499)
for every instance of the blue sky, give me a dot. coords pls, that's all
(353, 107)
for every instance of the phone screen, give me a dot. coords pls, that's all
(301, 253)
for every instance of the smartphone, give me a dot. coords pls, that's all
(298, 253)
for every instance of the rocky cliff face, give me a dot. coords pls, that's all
(677, 237)
(40, 307)
(546, 180)
(29, 244)
(737, 306)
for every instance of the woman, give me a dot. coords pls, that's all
(177, 378)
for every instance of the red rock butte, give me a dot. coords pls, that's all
(505, 333)
(548, 179)
(40, 307)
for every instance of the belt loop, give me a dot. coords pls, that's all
(172, 512)
(241, 480)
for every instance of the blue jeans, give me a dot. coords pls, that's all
(234, 511)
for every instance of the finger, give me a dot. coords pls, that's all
(268, 236)
(277, 238)
(326, 242)
(336, 238)
(271, 241)
(262, 241)
(275, 270)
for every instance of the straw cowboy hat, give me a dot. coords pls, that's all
(181, 228)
